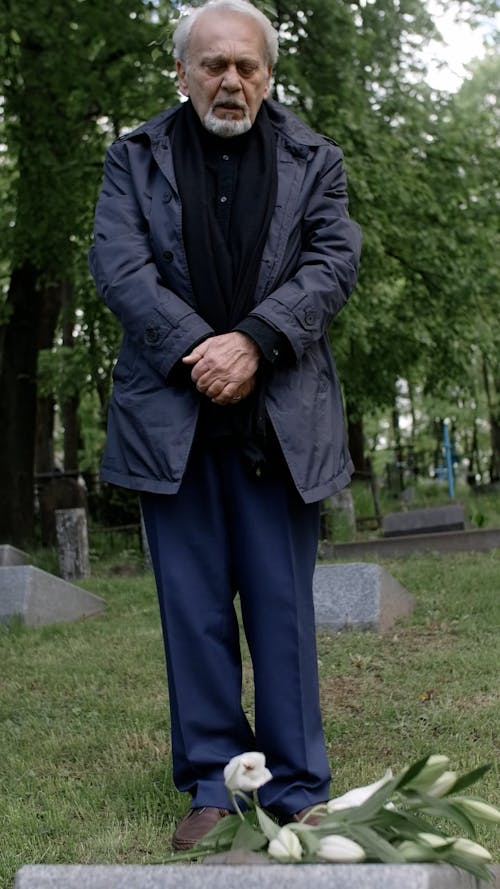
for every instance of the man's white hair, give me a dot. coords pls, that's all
(243, 7)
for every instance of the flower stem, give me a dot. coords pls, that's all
(236, 806)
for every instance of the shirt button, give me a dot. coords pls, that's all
(225, 157)
(223, 199)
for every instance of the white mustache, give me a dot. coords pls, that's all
(230, 105)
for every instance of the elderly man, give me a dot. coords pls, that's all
(224, 246)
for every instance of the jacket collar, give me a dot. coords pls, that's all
(293, 129)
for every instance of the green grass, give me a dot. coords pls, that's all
(85, 768)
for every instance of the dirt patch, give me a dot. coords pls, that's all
(341, 693)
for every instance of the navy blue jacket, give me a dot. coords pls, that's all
(307, 272)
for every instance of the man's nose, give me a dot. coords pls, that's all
(231, 80)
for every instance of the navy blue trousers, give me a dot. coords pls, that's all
(227, 531)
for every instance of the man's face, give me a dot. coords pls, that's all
(226, 75)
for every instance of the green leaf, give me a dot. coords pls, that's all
(309, 840)
(375, 846)
(222, 834)
(481, 871)
(412, 772)
(266, 824)
(248, 838)
(445, 808)
(404, 823)
(470, 778)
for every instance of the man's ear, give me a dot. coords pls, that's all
(181, 77)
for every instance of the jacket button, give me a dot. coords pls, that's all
(309, 317)
(167, 196)
(152, 335)
(168, 255)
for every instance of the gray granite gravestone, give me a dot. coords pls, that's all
(275, 876)
(424, 521)
(9, 555)
(359, 596)
(41, 598)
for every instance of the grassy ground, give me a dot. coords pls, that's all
(84, 766)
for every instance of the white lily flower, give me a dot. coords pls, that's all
(475, 808)
(285, 846)
(358, 795)
(338, 848)
(246, 772)
(472, 849)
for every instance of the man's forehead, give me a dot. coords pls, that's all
(214, 33)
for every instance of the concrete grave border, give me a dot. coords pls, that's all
(265, 876)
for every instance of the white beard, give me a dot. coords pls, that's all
(226, 129)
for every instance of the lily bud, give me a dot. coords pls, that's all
(478, 810)
(285, 846)
(338, 848)
(432, 770)
(442, 785)
(471, 849)
(432, 839)
(412, 851)
(358, 795)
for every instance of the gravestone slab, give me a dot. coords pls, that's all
(424, 521)
(9, 555)
(359, 596)
(41, 598)
(293, 876)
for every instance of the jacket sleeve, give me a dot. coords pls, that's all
(161, 324)
(317, 284)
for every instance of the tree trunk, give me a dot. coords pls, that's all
(356, 437)
(50, 307)
(492, 389)
(18, 408)
(44, 443)
(69, 407)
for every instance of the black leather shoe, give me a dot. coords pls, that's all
(195, 825)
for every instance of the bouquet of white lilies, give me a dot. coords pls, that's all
(393, 820)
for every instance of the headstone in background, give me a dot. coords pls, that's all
(72, 543)
(359, 596)
(41, 598)
(424, 521)
(9, 555)
(342, 507)
(59, 492)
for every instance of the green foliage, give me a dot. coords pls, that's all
(422, 169)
